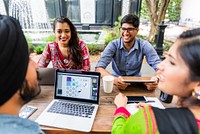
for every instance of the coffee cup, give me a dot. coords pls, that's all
(108, 84)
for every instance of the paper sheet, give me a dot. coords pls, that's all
(133, 109)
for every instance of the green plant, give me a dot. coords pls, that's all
(166, 47)
(117, 26)
(113, 33)
(38, 49)
(93, 49)
(51, 19)
(108, 38)
(144, 12)
(97, 36)
(167, 44)
(174, 9)
(30, 44)
(51, 38)
(141, 36)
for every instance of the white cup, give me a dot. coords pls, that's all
(108, 84)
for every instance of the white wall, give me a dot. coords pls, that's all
(125, 7)
(190, 12)
(87, 11)
(2, 8)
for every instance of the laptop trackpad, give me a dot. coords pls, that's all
(72, 122)
(47, 118)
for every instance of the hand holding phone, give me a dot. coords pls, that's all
(136, 99)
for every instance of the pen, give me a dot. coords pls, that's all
(149, 101)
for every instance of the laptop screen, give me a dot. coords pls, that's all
(77, 85)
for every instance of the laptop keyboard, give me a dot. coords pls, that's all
(73, 109)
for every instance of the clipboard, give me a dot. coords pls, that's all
(137, 79)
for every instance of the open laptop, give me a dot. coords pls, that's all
(74, 92)
(46, 76)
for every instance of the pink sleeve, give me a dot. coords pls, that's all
(45, 57)
(198, 123)
(122, 111)
(86, 56)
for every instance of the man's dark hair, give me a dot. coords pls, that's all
(131, 19)
(14, 57)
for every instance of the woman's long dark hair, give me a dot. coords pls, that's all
(189, 52)
(75, 50)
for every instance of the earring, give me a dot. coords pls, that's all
(196, 94)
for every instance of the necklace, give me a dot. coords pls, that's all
(66, 61)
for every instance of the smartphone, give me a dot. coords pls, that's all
(27, 111)
(136, 99)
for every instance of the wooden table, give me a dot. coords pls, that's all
(104, 117)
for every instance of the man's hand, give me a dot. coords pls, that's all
(120, 84)
(152, 86)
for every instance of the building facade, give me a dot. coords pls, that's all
(86, 14)
(90, 14)
(190, 13)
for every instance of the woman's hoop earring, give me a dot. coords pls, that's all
(196, 94)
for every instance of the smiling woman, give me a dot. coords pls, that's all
(178, 75)
(67, 51)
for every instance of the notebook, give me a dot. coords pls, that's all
(153, 101)
(46, 76)
(75, 101)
